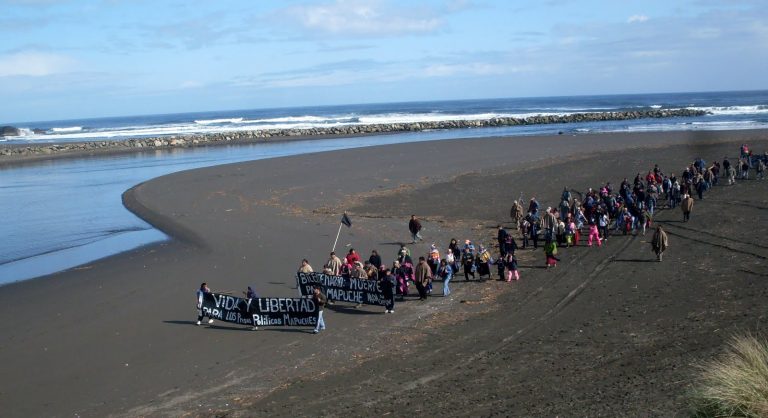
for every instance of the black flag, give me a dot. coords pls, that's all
(345, 220)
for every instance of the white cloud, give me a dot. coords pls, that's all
(34, 64)
(190, 84)
(366, 18)
(475, 68)
(637, 19)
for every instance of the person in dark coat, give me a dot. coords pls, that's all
(423, 277)
(659, 242)
(387, 285)
(415, 227)
(375, 259)
(502, 238)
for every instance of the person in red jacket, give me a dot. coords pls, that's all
(352, 257)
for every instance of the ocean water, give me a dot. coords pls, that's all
(67, 212)
(729, 110)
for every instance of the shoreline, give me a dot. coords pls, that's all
(131, 315)
(30, 152)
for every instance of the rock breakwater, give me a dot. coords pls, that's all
(9, 151)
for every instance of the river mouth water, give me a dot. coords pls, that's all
(66, 212)
(62, 213)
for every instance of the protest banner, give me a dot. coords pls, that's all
(260, 311)
(342, 289)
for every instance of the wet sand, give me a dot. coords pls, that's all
(609, 332)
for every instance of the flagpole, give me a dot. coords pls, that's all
(337, 237)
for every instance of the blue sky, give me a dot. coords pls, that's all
(62, 59)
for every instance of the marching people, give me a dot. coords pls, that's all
(502, 238)
(402, 279)
(451, 260)
(468, 260)
(415, 227)
(516, 213)
(200, 295)
(433, 259)
(352, 257)
(250, 293)
(423, 278)
(483, 262)
(320, 300)
(387, 285)
(548, 224)
(454, 247)
(533, 229)
(371, 272)
(659, 242)
(358, 271)
(445, 272)
(593, 234)
(631, 207)
(333, 265)
(305, 267)
(686, 205)
(375, 259)
(550, 252)
(500, 266)
(511, 265)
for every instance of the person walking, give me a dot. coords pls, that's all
(483, 262)
(593, 234)
(415, 227)
(468, 260)
(550, 251)
(516, 213)
(450, 259)
(320, 300)
(548, 224)
(375, 259)
(387, 285)
(200, 296)
(402, 279)
(445, 272)
(352, 257)
(423, 276)
(502, 239)
(251, 294)
(511, 264)
(659, 242)
(305, 267)
(686, 205)
(333, 265)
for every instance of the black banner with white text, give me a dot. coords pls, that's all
(342, 289)
(300, 312)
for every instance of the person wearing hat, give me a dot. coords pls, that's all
(659, 242)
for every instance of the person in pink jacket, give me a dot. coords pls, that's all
(593, 233)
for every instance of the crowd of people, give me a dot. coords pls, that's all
(598, 213)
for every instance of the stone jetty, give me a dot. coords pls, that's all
(16, 150)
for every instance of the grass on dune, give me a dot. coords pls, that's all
(736, 383)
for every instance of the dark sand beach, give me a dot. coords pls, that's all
(609, 332)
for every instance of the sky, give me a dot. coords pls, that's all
(66, 59)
